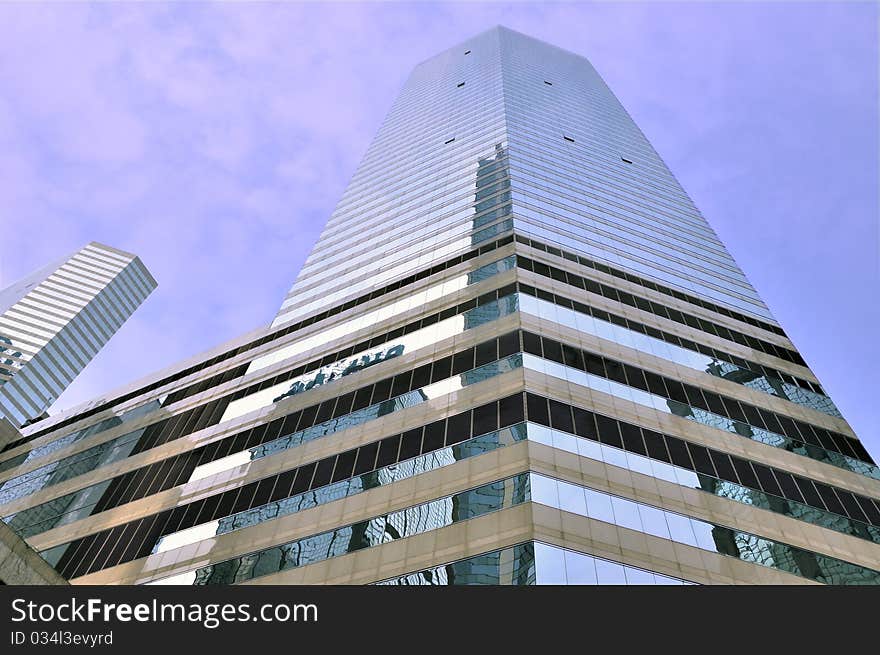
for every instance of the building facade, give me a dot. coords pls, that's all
(55, 320)
(517, 354)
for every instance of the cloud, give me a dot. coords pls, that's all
(214, 141)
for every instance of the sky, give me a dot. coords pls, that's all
(214, 140)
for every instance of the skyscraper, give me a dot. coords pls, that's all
(517, 354)
(55, 320)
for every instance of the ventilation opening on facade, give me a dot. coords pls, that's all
(624, 159)
(568, 138)
(461, 84)
(548, 83)
(467, 52)
(450, 141)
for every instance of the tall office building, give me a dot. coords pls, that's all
(55, 320)
(517, 354)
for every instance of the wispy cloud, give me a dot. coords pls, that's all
(214, 141)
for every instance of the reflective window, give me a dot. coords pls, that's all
(700, 534)
(636, 336)
(373, 532)
(508, 566)
(533, 563)
(294, 490)
(789, 502)
(714, 411)
(660, 310)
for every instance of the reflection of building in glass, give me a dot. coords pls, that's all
(492, 197)
(509, 566)
(773, 386)
(512, 282)
(751, 548)
(340, 369)
(491, 216)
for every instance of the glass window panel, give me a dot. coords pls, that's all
(609, 573)
(580, 569)
(544, 490)
(639, 464)
(549, 565)
(540, 434)
(666, 580)
(703, 532)
(588, 448)
(614, 456)
(565, 441)
(636, 576)
(626, 513)
(571, 498)
(599, 506)
(680, 529)
(654, 521)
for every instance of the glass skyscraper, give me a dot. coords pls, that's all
(517, 354)
(55, 320)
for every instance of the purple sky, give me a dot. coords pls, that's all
(214, 141)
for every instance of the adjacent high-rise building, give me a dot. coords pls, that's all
(517, 354)
(55, 320)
